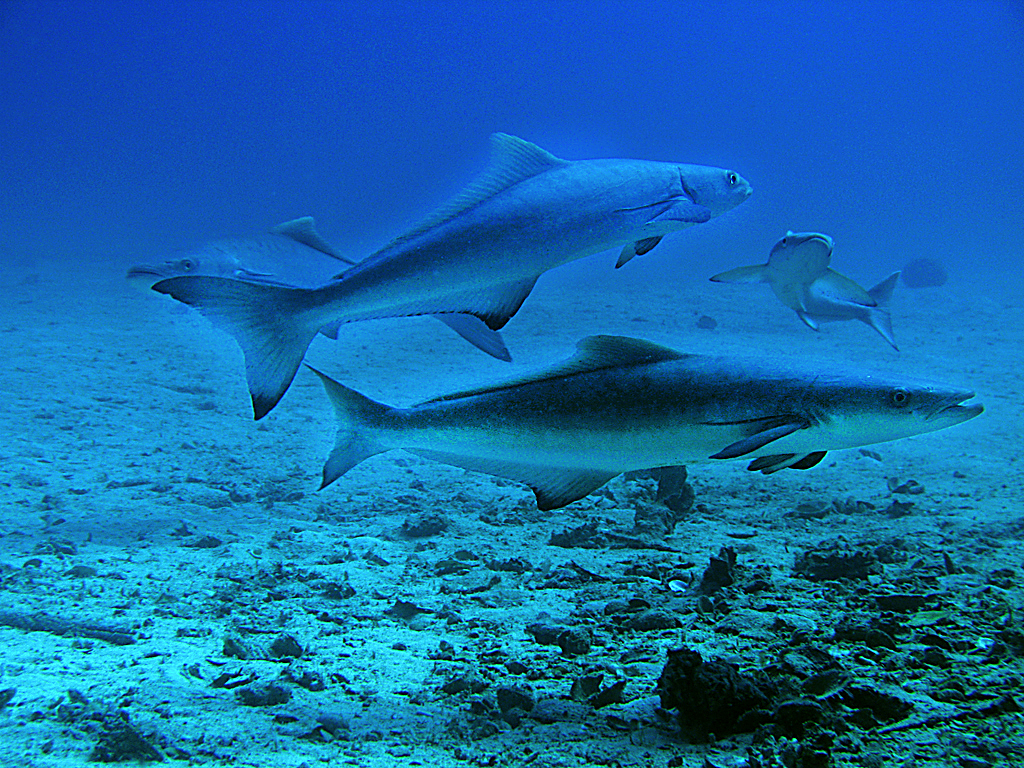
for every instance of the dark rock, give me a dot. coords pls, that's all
(883, 706)
(6, 696)
(833, 561)
(585, 536)
(285, 647)
(263, 695)
(574, 641)
(900, 603)
(652, 620)
(81, 572)
(712, 697)
(585, 687)
(519, 695)
(610, 695)
(876, 638)
(120, 743)
(206, 542)
(719, 573)
(423, 524)
(544, 633)
(463, 683)
(924, 273)
(792, 717)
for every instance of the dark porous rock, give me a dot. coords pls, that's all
(120, 743)
(713, 697)
(545, 633)
(902, 603)
(263, 695)
(831, 561)
(574, 641)
(285, 647)
(585, 536)
(518, 695)
(792, 717)
(423, 524)
(924, 273)
(652, 620)
(884, 707)
(463, 683)
(610, 695)
(719, 573)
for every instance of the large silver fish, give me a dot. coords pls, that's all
(798, 273)
(288, 256)
(479, 255)
(623, 404)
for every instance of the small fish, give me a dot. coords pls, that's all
(480, 255)
(798, 272)
(289, 256)
(624, 404)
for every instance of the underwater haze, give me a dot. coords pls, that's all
(175, 583)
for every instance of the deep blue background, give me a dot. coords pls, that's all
(129, 128)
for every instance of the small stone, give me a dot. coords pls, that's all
(574, 641)
(263, 695)
(81, 572)
(518, 695)
(285, 646)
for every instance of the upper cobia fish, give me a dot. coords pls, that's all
(623, 404)
(798, 273)
(289, 256)
(479, 255)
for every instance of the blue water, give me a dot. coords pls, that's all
(131, 128)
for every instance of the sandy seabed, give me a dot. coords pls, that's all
(175, 587)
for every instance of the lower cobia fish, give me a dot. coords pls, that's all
(478, 256)
(623, 404)
(798, 273)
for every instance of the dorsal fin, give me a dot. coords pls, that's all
(592, 354)
(303, 231)
(512, 160)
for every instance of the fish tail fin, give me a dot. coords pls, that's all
(882, 293)
(359, 420)
(878, 316)
(273, 325)
(754, 274)
(880, 319)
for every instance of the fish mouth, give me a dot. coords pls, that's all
(136, 273)
(954, 410)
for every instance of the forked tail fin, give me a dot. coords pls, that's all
(878, 317)
(359, 418)
(272, 324)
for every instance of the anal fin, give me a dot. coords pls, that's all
(554, 487)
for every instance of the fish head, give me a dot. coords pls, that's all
(795, 262)
(869, 409)
(209, 261)
(717, 189)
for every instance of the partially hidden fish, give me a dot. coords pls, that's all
(480, 255)
(289, 256)
(798, 273)
(623, 404)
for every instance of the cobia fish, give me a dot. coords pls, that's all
(478, 256)
(624, 404)
(798, 273)
(289, 256)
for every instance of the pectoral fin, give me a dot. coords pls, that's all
(809, 321)
(683, 211)
(769, 464)
(755, 274)
(772, 430)
(639, 248)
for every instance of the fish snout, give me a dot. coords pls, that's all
(953, 407)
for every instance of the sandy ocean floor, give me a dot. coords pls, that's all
(175, 587)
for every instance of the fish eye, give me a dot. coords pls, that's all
(899, 397)
(785, 240)
(187, 264)
(733, 179)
